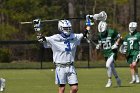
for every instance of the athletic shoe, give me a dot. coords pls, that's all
(2, 84)
(132, 82)
(137, 81)
(109, 83)
(118, 82)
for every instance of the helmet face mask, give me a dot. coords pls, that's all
(65, 27)
(102, 26)
(132, 27)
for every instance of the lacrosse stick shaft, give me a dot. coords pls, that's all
(53, 20)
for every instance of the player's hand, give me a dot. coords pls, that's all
(138, 56)
(98, 46)
(115, 46)
(41, 38)
(36, 23)
(85, 33)
(89, 20)
(123, 49)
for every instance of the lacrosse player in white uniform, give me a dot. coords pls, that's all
(63, 46)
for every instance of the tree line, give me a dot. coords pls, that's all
(12, 12)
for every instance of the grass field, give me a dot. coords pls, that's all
(42, 81)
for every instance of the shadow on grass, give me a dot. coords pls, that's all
(122, 86)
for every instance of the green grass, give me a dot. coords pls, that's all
(36, 65)
(42, 81)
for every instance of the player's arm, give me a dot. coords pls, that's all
(88, 23)
(123, 47)
(117, 42)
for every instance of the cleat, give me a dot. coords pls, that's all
(109, 83)
(118, 82)
(132, 82)
(137, 81)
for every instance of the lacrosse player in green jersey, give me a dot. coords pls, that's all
(108, 41)
(131, 45)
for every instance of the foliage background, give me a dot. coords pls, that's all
(12, 12)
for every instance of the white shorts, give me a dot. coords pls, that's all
(65, 75)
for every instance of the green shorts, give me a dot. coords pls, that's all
(132, 58)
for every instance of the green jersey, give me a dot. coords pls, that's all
(106, 40)
(132, 42)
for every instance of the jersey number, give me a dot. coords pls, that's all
(68, 48)
(106, 44)
(131, 44)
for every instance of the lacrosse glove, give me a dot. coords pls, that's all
(138, 56)
(89, 20)
(36, 23)
(115, 46)
(98, 46)
(85, 34)
(41, 38)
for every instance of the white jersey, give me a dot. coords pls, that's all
(63, 48)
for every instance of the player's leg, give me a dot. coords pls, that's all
(72, 79)
(109, 71)
(129, 61)
(2, 84)
(61, 88)
(74, 88)
(115, 74)
(135, 64)
(132, 71)
(60, 79)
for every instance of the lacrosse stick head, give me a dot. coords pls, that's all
(65, 27)
(102, 16)
(132, 27)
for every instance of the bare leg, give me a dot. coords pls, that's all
(132, 71)
(61, 88)
(74, 88)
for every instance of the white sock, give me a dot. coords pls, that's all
(133, 78)
(109, 80)
(137, 77)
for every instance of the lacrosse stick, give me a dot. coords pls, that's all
(53, 20)
(89, 22)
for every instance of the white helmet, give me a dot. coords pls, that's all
(132, 26)
(65, 27)
(102, 26)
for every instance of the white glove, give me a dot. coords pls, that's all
(36, 23)
(115, 46)
(123, 49)
(98, 46)
(138, 56)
